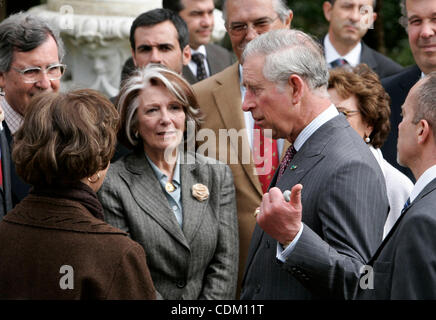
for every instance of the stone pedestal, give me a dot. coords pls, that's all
(96, 36)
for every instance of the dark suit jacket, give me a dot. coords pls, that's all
(19, 188)
(398, 86)
(217, 59)
(404, 264)
(379, 63)
(5, 190)
(344, 209)
(42, 234)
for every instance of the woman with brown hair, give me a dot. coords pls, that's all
(359, 95)
(179, 205)
(55, 244)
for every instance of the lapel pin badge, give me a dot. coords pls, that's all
(293, 167)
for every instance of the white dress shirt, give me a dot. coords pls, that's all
(428, 176)
(193, 66)
(352, 57)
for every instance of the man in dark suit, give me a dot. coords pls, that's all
(418, 16)
(5, 167)
(344, 196)
(403, 265)
(343, 43)
(207, 58)
(31, 52)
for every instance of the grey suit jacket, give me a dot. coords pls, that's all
(344, 209)
(217, 57)
(197, 261)
(379, 63)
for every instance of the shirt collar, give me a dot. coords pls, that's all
(422, 182)
(13, 119)
(201, 49)
(314, 125)
(162, 176)
(352, 57)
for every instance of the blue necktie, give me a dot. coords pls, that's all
(338, 63)
(406, 205)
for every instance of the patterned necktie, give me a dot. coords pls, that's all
(265, 156)
(406, 205)
(289, 155)
(338, 63)
(198, 58)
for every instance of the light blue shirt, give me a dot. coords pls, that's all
(174, 198)
(304, 135)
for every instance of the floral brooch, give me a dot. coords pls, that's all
(200, 192)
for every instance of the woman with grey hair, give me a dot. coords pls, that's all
(180, 206)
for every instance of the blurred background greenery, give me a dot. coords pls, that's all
(388, 36)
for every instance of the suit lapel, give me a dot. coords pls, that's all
(212, 59)
(428, 189)
(147, 192)
(366, 56)
(188, 75)
(228, 96)
(193, 209)
(304, 160)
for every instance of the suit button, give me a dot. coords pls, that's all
(267, 244)
(181, 284)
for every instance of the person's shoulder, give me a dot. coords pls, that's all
(217, 79)
(218, 48)
(407, 73)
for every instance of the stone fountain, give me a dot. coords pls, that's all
(96, 37)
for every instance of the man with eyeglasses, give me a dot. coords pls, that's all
(30, 63)
(220, 98)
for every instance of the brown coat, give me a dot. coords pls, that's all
(41, 235)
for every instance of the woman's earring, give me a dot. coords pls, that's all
(95, 180)
(367, 139)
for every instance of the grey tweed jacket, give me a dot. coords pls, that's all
(197, 261)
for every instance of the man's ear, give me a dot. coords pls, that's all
(327, 8)
(296, 83)
(134, 58)
(186, 55)
(423, 131)
(2, 80)
(289, 19)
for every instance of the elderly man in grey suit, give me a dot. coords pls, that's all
(344, 197)
(403, 265)
(206, 58)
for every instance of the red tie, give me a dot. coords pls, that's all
(265, 156)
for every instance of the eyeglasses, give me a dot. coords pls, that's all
(34, 74)
(261, 25)
(347, 113)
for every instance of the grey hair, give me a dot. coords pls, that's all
(24, 32)
(426, 97)
(279, 7)
(403, 19)
(290, 52)
(128, 100)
